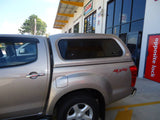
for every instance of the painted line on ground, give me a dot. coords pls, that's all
(134, 105)
(124, 115)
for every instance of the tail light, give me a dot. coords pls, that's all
(133, 70)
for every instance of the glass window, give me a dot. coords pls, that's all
(88, 27)
(70, 30)
(117, 15)
(94, 23)
(90, 23)
(137, 26)
(132, 41)
(116, 30)
(138, 9)
(85, 25)
(76, 28)
(110, 14)
(17, 51)
(123, 37)
(125, 28)
(126, 14)
(109, 30)
(88, 48)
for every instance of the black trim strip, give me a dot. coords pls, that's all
(18, 39)
(93, 64)
(51, 75)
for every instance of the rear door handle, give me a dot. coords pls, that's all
(34, 75)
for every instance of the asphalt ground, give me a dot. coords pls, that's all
(144, 105)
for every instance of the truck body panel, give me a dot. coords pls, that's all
(21, 96)
(34, 80)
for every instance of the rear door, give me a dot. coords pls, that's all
(23, 76)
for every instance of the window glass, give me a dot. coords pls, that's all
(126, 11)
(132, 41)
(110, 14)
(90, 23)
(125, 28)
(70, 30)
(123, 37)
(76, 28)
(94, 23)
(87, 48)
(117, 14)
(116, 30)
(85, 25)
(138, 9)
(137, 26)
(109, 31)
(17, 51)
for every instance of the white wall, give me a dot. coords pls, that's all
(151, 26)
(79, 17)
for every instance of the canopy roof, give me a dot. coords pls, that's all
(66, 9)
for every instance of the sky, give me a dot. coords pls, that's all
(13, 13)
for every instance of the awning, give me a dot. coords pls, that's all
(66, 9)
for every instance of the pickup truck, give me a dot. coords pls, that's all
(65, 76)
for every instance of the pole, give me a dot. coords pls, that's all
(35, 26)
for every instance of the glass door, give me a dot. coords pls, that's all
(133, 42)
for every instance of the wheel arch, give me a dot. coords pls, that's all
(88, 92)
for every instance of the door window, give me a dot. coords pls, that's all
(17, 51)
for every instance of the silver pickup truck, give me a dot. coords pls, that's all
(65, 76)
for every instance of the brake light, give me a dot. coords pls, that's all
(133, 70)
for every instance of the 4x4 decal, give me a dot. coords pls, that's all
(120, 70)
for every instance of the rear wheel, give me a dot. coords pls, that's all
(79, 107)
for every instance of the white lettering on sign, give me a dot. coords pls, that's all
(155, 47)
(88, 7)
(152, 70)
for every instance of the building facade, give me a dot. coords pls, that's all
(136, 22)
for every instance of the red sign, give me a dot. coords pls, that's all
(152, 70)
(88, 7)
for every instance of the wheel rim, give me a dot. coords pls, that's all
(80, 111)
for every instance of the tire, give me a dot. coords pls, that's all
(78, 107)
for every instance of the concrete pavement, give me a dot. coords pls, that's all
(144, 105)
